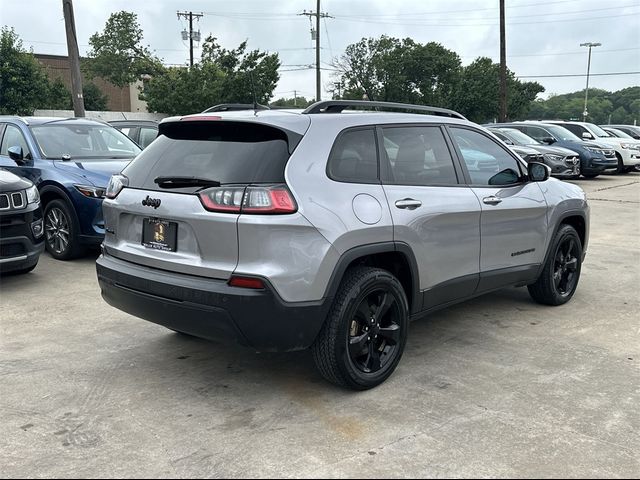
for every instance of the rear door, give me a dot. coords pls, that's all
(513, 226)
(169, 228)
(433, 211)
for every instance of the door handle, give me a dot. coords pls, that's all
(408, 203)
(492, 200)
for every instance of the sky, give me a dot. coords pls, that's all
(543, 36)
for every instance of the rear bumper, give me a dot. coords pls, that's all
(210, 308)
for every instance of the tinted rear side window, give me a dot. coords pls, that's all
(354, 157)
(229, 152)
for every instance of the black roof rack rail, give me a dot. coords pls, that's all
(337, 106)
(233, 107)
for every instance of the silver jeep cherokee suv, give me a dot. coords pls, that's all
(288, 230)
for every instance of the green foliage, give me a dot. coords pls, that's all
(94, 99)
(117, 54)
(58, 96)
(477, 93)
(223, 76)
(299, 102)
(389, 69)
(23, 83)
(623, 106)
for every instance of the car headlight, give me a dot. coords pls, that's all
(631, 146)
(116, 184)
(552, 157)
(90, 191)
(33, 196)
(594, 150)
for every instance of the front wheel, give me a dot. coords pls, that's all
(61, 231)
(559, 278)
(365, 333)
(621, 168)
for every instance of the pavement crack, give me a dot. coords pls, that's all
(617, 186)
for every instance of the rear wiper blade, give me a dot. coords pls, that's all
(183, 182)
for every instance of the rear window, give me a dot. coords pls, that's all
(228, 152)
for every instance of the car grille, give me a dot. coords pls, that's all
(12, 201)
(11, 250)
(609, 153)
(571, 161)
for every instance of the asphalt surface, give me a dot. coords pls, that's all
(495, 387)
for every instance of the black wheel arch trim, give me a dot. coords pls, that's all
(353, 254)
(61, 195)
(558, 224)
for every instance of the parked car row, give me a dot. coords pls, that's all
(598, 150)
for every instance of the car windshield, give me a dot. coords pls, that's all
(86, 141)
(600, 133)
(618, 133)
(519, 138)
(562, 133)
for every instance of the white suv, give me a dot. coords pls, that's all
(627, 151)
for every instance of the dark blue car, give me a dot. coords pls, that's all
(70, 161)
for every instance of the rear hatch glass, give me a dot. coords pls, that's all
(227, 152)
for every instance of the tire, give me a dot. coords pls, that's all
(590, 175)
(621, 168)
(370, 303)
(559, 278)
(61, 231)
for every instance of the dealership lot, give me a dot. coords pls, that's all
(497, 386)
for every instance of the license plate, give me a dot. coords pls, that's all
(159, 234)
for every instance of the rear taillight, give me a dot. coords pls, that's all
(271, 199)
(115, 186)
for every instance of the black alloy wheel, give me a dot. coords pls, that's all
(374, 332)
(364, 335)
(560, 274)
(565, 274)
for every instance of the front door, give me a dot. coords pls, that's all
(513, 226)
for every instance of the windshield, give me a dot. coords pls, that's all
(85, 141)
(618, 133)
(519, 138)
(562, 133)
(597, 130)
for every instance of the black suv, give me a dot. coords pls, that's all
(21, 229)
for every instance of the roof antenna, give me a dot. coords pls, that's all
(253, 91)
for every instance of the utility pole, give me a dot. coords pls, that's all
(295, 99)
(74, 58)
(503, 65)
(191, 35)
(315, 35)
(586, 90)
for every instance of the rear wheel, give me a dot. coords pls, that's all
(365, 333)
(61, 231)
(559, 278)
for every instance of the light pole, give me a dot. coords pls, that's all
(586, 90)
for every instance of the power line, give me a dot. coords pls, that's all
(579, 75)
(424, 24)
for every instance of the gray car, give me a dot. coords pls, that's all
(564, 163)
(331, 231)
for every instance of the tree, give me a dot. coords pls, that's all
(222, 76)
(297, 102)
(477, 92)
(23, 83)
(246, 75)
(58, 96)
(117, 54)
(94, 99)
(390, 69)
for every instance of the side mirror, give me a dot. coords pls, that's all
(587, 136)
(16, 154)
(507, 141)
(538, 172)
(549, 140)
